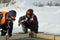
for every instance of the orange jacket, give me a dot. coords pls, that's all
(2, 21)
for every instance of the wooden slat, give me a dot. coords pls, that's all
(2, 37)
(39, 35)
(51, 37)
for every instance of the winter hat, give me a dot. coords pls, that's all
(29, 10)
(12, 13)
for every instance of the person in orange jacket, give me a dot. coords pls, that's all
(6, 23)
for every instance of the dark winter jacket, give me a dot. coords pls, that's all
(32, 21)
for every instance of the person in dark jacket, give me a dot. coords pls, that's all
(10, 18)
(30, 21)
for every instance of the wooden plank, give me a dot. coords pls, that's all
(2, 37)
(57, 37)
(7, 37)
(21, 36)
(51, 37)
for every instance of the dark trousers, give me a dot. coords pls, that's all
(6, 29)
(33, 28)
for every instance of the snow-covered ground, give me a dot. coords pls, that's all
(48, 17)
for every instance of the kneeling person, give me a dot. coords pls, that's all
(30, 21)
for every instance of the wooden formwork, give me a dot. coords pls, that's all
(39, 35)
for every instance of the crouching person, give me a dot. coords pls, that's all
(6, 22)
(30, 21)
